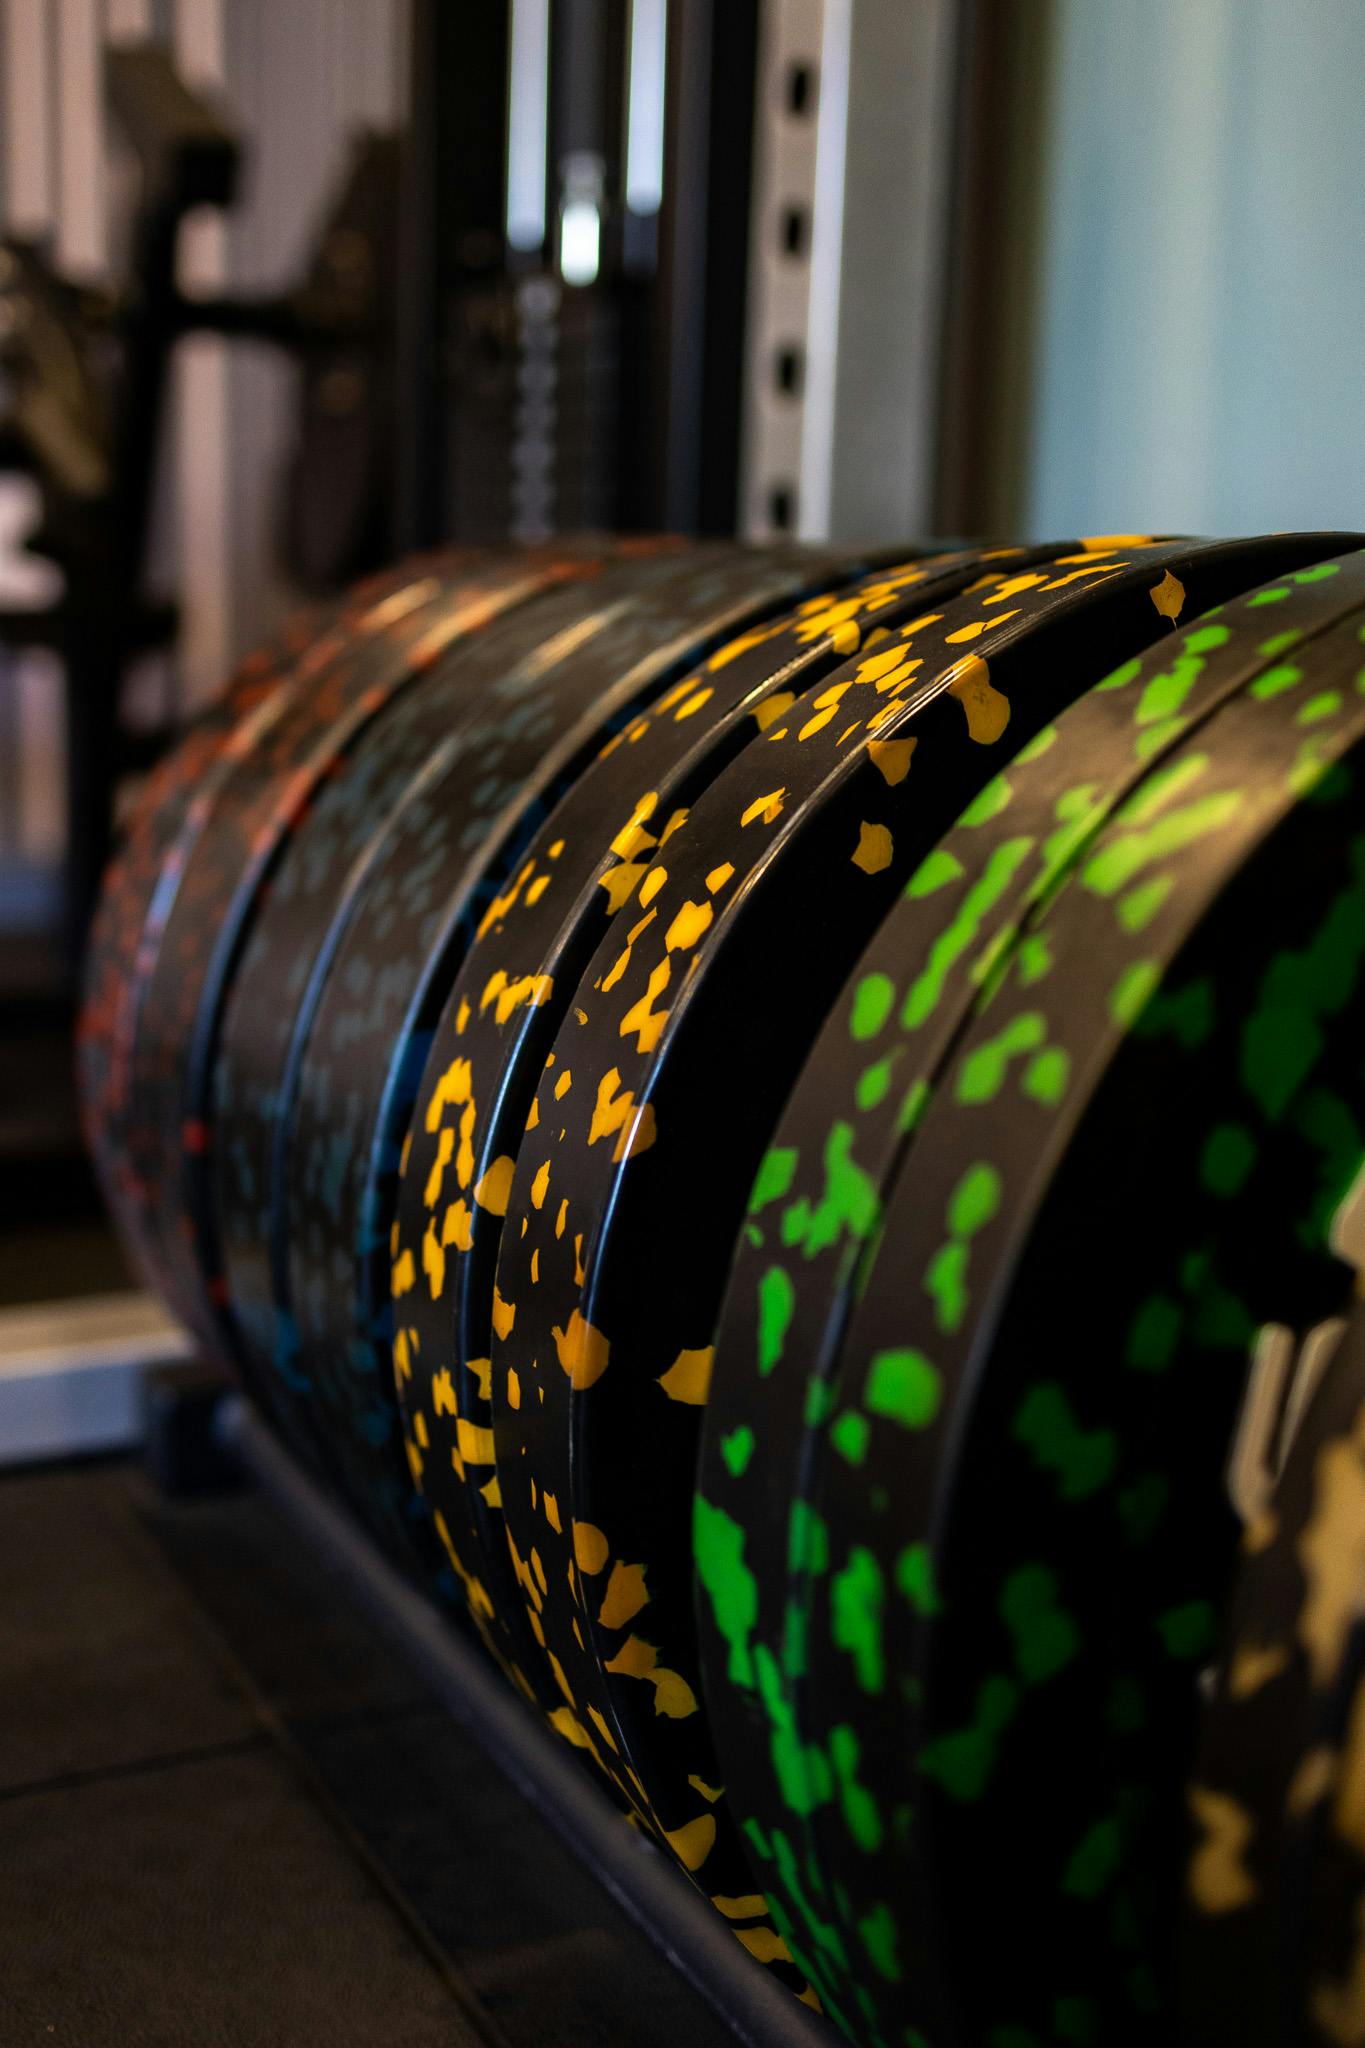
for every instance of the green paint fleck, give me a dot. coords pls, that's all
(1187, 1014)
(1167, 691)
(1275, 681)
(1188, 1631)
(859, 1807)
(1207, 638)
(794, 1663)
(1034, 958)
(776, 1301)
(974, 1200)
(737, 1448)
(1095, 1860)
(904, 1387)
(1275, 594)
(993, 799)
(934, 872)
(1154, 1333)
(857, 1600)
(1132, 991)
(1158, 737)
(915, 1578)
(718, 1551)
(774, 1177)
(983, 1070)
(877, 1931)
(960, 934)
(1083, 1460)
(962, 1761)
(1120, 678)
(872, 1001)
(873, 1085)
(807, 1540)
(1046, 1638)
(1076, 2021)
(1317, 572)
(848, 1203)
(820, 1399)
(1229, 1155)
(1046, 1076)
(1140, 905)
(1043, 740)
(1278, 643)
(1325, 705)
(1115, 863)
(913, 1105)
(945, 1282)
(850, 1435)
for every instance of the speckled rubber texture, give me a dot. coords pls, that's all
(1019, 1485)
(297, 924)
(679, 1045)
(499, 1020)
(818, 1197)
(452, 847)
(238, 820)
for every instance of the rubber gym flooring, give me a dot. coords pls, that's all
(230, 1816)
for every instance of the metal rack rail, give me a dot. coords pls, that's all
(666, 1909)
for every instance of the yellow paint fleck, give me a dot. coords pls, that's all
(693, 1843)
(765, 1944)
(1312, 1781)
(891, 758)
(476, 1442)
(513, 1388)
(540, 1185)
(1219, 1880)
(711, 1792)
(694, 703)
(688, 1379)
(874, 849)
(445, 1147)
(404, 1274)
(626, 1594)
(535, 1267)
(718, 877)
(562, 1217)
(582, 1351)
(590, 1547)
(987, 710)
(600, 1725)
(494, 1189)
(975, 629)
(533, 1117)
(1253, 1666)
(642, 1018)
(504, 1314)
(688, 926)
(771, 709)
(457, 1226)
(651, 885)
(619, 883)
(462, 1016)
(768, 808)
(677, 819)
(632, 837)
(537, 889)
(563, 1084)
(551, 1507)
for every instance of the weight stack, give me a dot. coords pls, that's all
(786, 1128)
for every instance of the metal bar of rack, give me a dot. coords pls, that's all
(666, 1909)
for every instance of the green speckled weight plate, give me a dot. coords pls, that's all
(618, 1230)
(817, 1200)
(1025, 1532)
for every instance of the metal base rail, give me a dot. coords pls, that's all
(667, 1910)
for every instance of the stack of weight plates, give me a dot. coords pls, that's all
(750, 1110)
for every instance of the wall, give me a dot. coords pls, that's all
(1202, 299)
